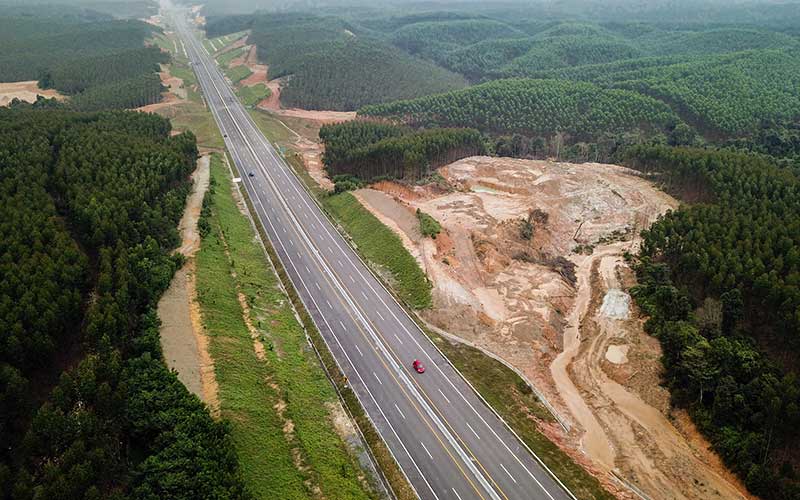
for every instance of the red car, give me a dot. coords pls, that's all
(417, 364)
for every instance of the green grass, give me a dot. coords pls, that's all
(194, 116)
(250, 96)
(226, 58)
(271, 127)
(250, 388)
(381, 246)
(238, 73)
(428, 226)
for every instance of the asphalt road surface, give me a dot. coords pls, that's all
(447, 441)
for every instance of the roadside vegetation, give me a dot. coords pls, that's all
(271, 386)
(382, 247)
(253, 94)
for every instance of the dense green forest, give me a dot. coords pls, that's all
(537, 108)
(367, 150)
(102, 63)
(720, 281)
(90, 203)
(332, 64)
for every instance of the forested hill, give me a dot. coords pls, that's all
(544, 108)
(720, 281)
(334, 64)
(101, 63)
(368, 150)
(89, 204)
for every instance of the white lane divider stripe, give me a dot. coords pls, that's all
(329, 304)
(376, 378)
(426, 449)
(318, 288)
(445, 397)
(509, 474)
(398, 339)
(400, 411)
(457, 495)
(359, 350)
(380, 315)
(343, 327)
(473, 430)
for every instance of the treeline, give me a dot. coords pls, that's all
(720, 281)
(368, 150)
(533, 108)
(90, 203)
(102, 64)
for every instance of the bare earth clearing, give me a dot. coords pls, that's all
(555, 307)
(25, 91)
(183, 341)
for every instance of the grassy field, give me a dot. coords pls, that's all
(259, 396)
(238, 73)
(226, 58)
(250, 96)
(381, 246)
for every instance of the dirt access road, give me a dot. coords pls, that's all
(608, 376)
(183, 341)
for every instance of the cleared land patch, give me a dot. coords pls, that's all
(25, 91)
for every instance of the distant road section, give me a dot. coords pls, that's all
(447, 441)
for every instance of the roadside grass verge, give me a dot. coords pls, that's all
(260, 396)
(381, 246)
(226, 58)
(195, 116)
(250, 96)
(238, 73)
(271, 127)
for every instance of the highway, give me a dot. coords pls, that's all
(446, 440)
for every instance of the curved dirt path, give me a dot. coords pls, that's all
(594, 443)
(622, 432)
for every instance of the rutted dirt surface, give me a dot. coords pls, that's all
(643, 445)
(183, 341)
(25, 91)
(555, 305)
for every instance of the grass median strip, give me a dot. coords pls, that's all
(272, 389)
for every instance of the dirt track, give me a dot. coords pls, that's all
(182, 338)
